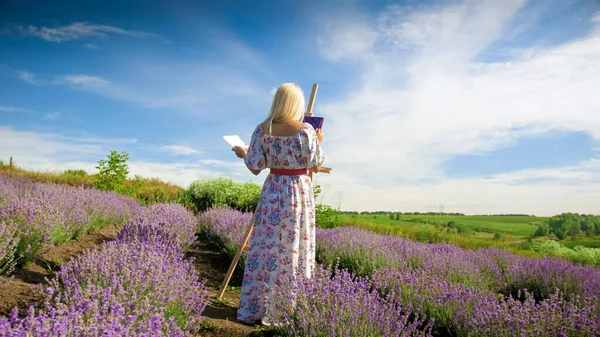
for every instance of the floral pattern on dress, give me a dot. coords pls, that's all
(283, 239)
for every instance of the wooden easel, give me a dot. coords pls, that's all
(240, 249)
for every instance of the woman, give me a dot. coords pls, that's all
(283, 239)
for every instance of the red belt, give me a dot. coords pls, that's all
(289, 172)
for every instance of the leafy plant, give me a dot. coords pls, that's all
(219, 192)
(327, 216)
(113, 171)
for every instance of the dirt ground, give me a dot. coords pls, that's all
(211, 264)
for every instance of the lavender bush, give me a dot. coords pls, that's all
(94, 318)
(149, 233)
(363, 251)
(47, 214)
(466, 311)
(8, 246)
(174, 219)
(127, 288)
(135, 273)
(334, 303)
(225, 227)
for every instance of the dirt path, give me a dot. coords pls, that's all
(209, 261)
(221, 314)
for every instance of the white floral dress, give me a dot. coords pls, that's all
(283, 239)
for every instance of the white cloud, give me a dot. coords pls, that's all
(12, 109)
(78, 30)
(53, 115)
(85, 81)
(180, 150)
(55, 152)
(91, 46)
(424, 97)
(27, 77)
(347, 40)
(34, 149)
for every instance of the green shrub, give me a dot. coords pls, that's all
(75, 173)
(577, 254)
(327, 217)
(113, 172)
(206, 193)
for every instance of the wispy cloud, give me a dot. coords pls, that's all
(91, 46)
(422, 96)
(13, 109)
(51, 116)
(27, 77)
(85, 81)
(79, 30)
(178, 150)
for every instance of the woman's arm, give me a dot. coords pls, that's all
(241, 152)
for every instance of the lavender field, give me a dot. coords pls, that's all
(137, 285)
(366, 284)
(370, 284)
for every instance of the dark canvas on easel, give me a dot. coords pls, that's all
(316, 122)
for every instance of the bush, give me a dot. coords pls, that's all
(327, 217)
(219, 192)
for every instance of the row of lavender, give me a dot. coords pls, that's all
(137, 285)
(34, 216)
(399, 287)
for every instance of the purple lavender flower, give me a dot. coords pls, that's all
(335, 303)
(46, 214)
(225, 227)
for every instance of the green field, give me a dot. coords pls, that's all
(592, 242)
(521, 226)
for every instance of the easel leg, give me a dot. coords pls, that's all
(236, 259)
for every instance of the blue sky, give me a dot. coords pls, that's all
(471, 106)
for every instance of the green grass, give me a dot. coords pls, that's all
(589, 242)
(418, 231)
(521, 226)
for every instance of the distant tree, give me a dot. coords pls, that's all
(565, 224)
(543, 229)
(391, 216)
(574, 228)
(397, 216)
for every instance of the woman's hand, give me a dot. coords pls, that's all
(240, 151)
(320, 135)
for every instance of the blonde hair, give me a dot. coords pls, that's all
(288, 104)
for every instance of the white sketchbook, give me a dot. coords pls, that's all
(235, 140)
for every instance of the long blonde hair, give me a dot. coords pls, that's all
(288, 104)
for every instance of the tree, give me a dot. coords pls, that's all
(112, 171)
(565, 224)
(397, 216)
(574, 228)
(543, 229)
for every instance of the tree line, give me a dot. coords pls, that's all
(570, 224)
